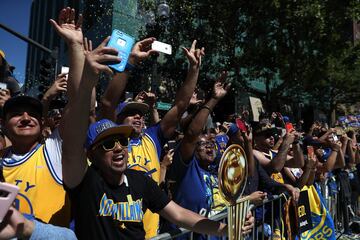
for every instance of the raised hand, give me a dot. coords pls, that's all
(168, 158)
(66, 27)
(59, 86)
(194, 100)
(141, 50)
(94, 59)
(220, 87)
(194, 55)
(87, 45)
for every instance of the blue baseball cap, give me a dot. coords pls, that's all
(124, 107)
(104, 128)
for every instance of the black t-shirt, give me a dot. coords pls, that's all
(102, 211)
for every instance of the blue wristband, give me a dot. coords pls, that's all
(129, 67)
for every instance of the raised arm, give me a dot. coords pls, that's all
(76, 118)
(70, 30)
(196, 126)
(115, 89)
(59, 86)
(297, 160)
(172, 117)
(278, 162)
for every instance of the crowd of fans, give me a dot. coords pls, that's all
(115, 170)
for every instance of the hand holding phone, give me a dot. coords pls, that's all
(123, 43)
(8, 193)
(171, 144)
(289, 127)
(3, 86)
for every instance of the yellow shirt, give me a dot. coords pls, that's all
(144, 154)
(41, 194)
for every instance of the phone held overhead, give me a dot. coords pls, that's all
(123, 43)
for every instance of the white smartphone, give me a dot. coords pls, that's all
(3, 86)
(161, 47)
(8, 194)
(65, 70)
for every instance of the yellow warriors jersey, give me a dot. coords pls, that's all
(41, 192)
(144, 155)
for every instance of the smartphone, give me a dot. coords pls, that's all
(65, 70)
(123, 43)
(241, 125)
(171, 144)
(335, 137)
(310, 151)
(129, 95)
(289, 127)
(161, 47)
(8, 193)
(3, 86)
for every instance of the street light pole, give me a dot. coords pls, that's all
(26, 39)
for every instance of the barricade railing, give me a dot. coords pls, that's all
(261, 227)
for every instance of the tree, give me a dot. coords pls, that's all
(298, 49)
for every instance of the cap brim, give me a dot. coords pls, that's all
(272, 131)
(123, 130)
(142, 107)
(22, 101)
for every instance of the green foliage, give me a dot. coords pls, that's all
(299, 49)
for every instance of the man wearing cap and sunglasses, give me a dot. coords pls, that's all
(146, 144)
(109, 199)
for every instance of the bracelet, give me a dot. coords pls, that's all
(207, 107)
(334, 150)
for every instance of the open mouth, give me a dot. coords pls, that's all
(118, 158)
(136, 123)
(210, 153)
(25, 126)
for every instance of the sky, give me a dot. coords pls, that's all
(15, 14)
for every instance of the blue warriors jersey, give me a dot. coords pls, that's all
(41, 192)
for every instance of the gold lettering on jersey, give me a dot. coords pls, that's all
(121, 211)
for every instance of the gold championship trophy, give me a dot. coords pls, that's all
(233, 171)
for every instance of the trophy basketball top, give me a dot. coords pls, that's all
(232, 175)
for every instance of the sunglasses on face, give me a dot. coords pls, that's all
(203, 144)
(110, 144)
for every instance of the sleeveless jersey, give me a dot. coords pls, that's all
(41, 192)
(144, 155)
(278, 177)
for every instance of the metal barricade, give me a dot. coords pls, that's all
(261, 227)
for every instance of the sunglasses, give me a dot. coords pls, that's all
(109, 145)
(203, 144)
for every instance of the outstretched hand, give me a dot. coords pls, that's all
(220, 87)
(142, 50)
(67, 28)
(194, 55)
(94, 60)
